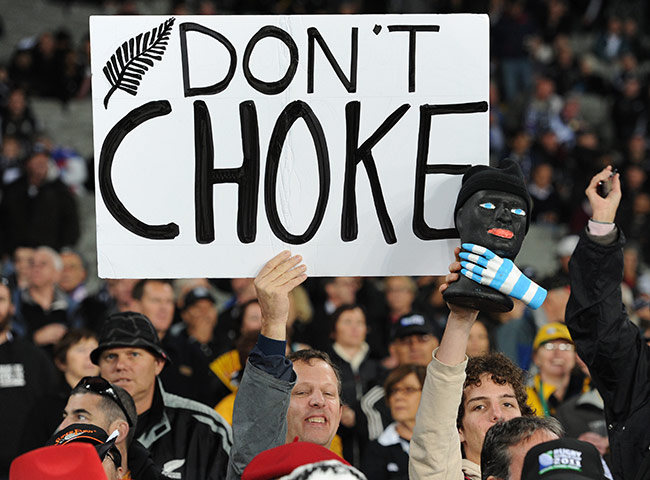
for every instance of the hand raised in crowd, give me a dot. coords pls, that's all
(454, 340)
(604, 209)
(277, 278)
(487, 268)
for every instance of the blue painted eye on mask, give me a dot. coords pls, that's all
(487, 206)
(518, 211)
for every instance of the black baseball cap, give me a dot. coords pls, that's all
(196, 294)
(91, 434)
(128, 329)
(564, 459)
(412, 324)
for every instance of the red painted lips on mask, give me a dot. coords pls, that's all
(501, 232)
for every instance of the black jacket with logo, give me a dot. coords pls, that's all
(187, 439)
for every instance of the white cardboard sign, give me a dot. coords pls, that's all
(222, 140)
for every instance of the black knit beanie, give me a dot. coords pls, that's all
(507, 178)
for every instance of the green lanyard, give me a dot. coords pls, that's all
(542, 400)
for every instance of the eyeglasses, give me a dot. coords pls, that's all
(562, 347)
(405, 390)
(101, 387)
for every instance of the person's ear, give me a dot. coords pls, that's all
(160, 364)
(461, 435)
(59, 364)
(122, 427)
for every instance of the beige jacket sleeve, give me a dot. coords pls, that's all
(435, 447)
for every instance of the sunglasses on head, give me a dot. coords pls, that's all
(101, 387)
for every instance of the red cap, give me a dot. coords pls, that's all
(282, 460)
(55, 462)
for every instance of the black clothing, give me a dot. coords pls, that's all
(384, 460)
(34, 216)
(141, 466)
(45, 416)
(33, 317)
(189, 372)
(355, 383)
(613, 349)
(187, 440)
(25, 375)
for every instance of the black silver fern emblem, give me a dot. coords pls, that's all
(126, 67)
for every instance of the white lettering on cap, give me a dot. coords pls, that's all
(412, 320)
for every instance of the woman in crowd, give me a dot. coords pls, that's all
(387, 457)
(359, 372)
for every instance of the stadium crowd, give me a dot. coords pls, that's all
(569, 96)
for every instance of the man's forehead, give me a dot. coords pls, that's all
(489, 388)
(88, 401)
(314, 371)
(118, 350)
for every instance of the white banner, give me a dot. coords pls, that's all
(222, 140)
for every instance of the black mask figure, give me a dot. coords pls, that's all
(493, 211)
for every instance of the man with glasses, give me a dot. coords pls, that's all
(97, 402)
(187, 439)
(26, 373)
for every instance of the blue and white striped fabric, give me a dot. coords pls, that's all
(487, 268)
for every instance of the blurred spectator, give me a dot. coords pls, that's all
(358, 372)
(21, 265)
(554, 355)
(244, 345)
(637, 152)
(115, 295)
(510, 38)
(565, 68)
(628, 111)
(543, 110)
(70, 164)
(191, 345)
(547, 205)
(413, 340)
(243, 291)
(17, 118)
(338, 291)
(12, 158)
(38, 210)
(478, 342)
(611, 43)
(73, 277)
(155, 300)
(25, 375)
(228, 367)
(43, 307)
(387, 457)
(520, 151)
